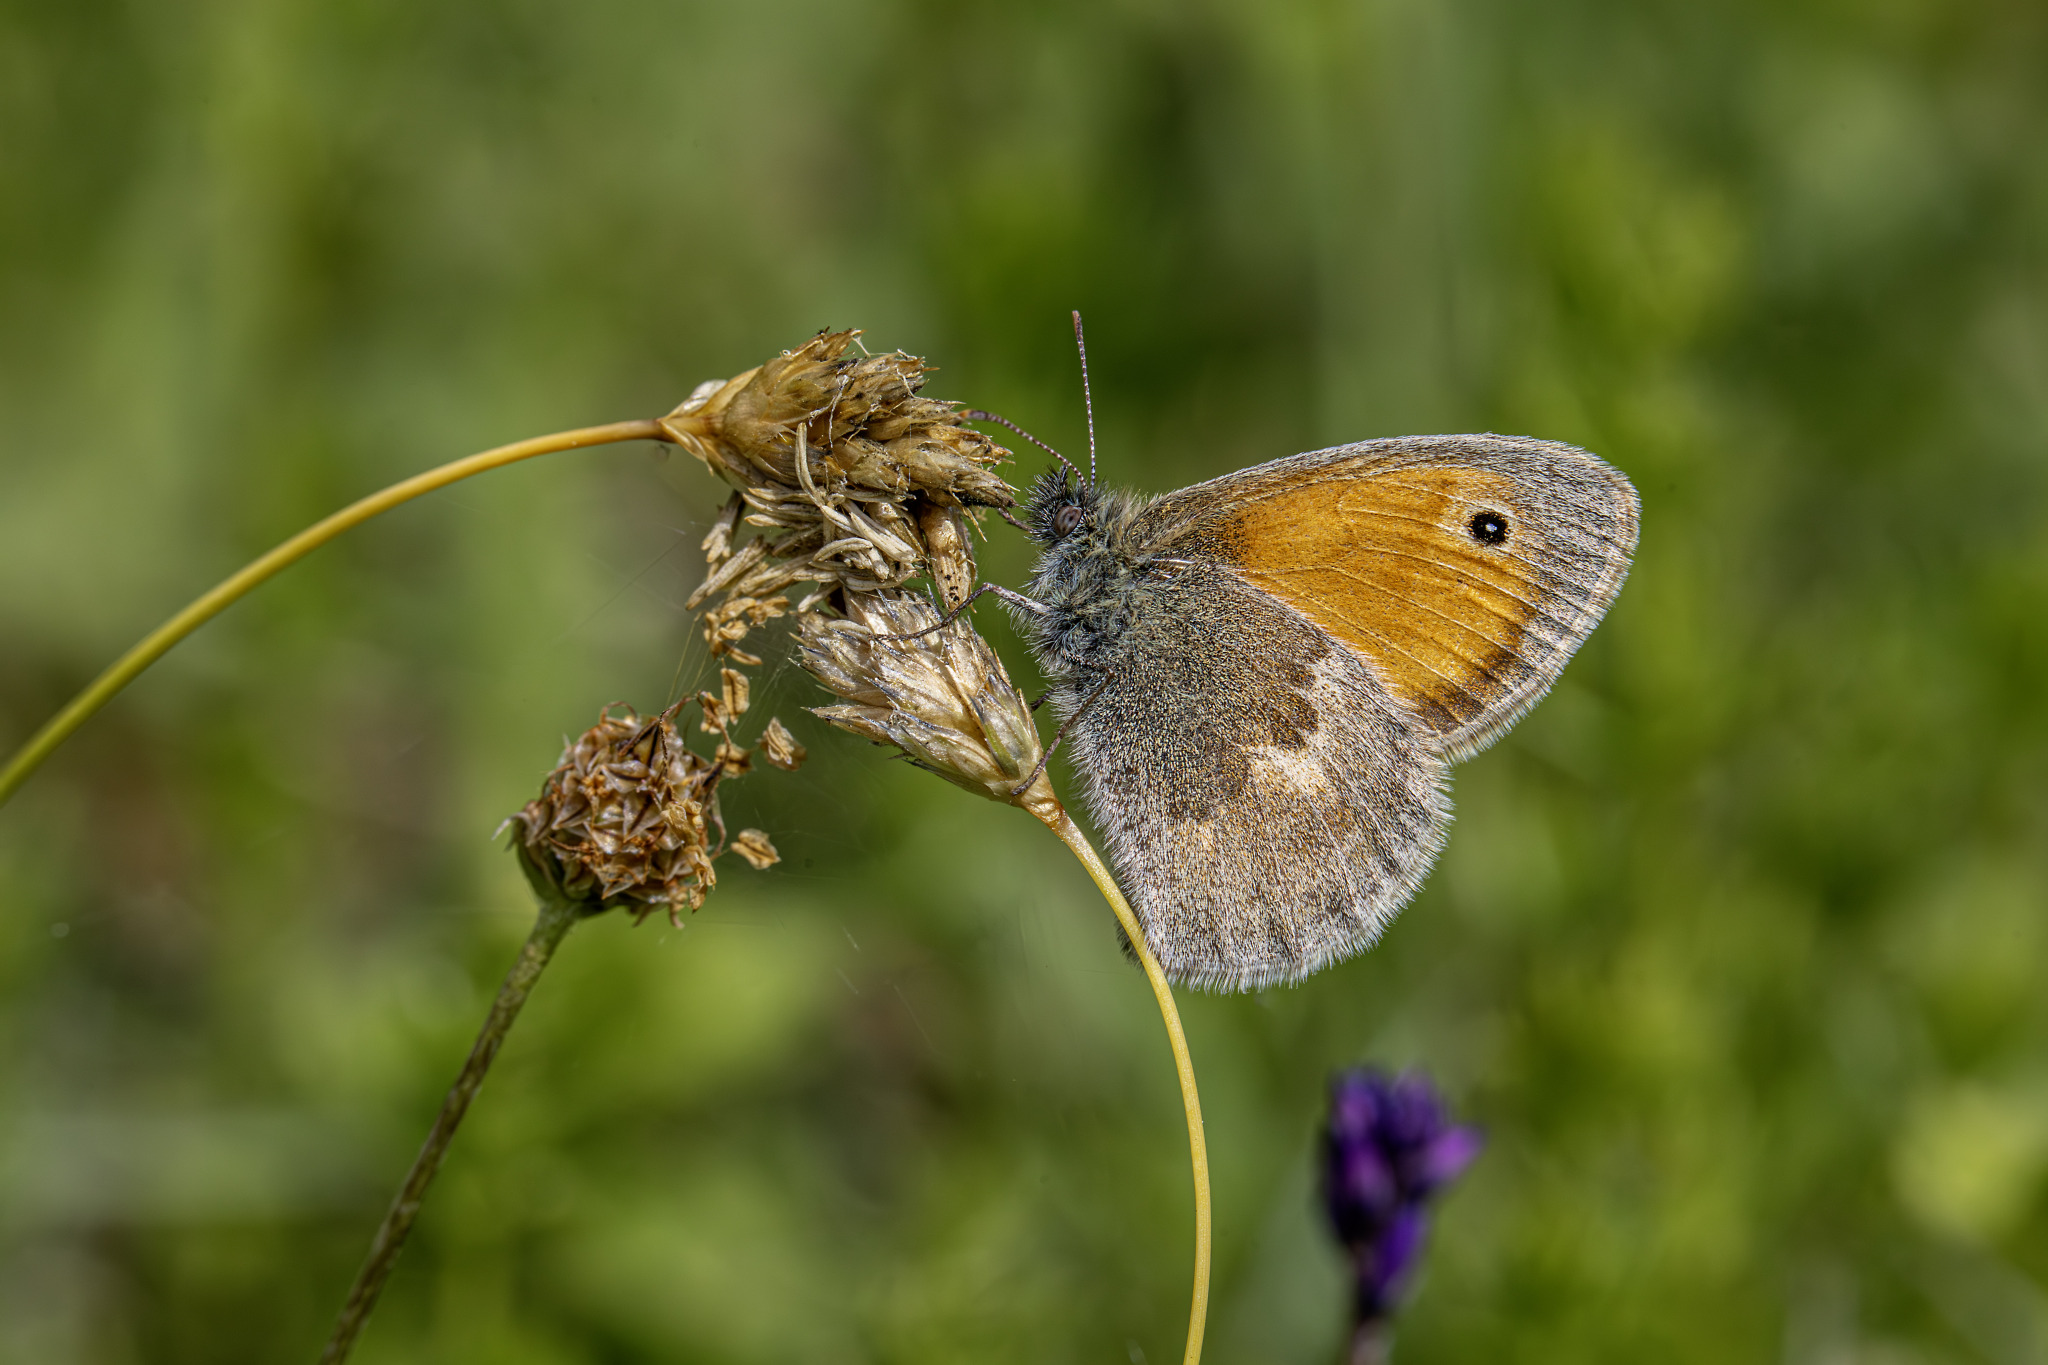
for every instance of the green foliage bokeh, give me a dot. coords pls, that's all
(1740, 948)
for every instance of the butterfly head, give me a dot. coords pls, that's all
(1060, 508)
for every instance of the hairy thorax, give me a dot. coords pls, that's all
(1094, 585)
(1148, 634)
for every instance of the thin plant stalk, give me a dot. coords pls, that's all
(1372, 1343)
(232, 589)
(553, 923)
(1062, 824)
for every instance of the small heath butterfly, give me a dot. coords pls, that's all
(1265, 678)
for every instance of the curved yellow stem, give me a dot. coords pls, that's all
(1070, 834)
(159, 641)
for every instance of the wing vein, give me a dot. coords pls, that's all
(1505, 646)
(1536, 610)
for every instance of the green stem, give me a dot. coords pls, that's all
(159, 641)
(555, 920)
(1070, 834)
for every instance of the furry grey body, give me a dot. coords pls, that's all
(1268, 803)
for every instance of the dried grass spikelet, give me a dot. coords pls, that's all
(943, 698)
(626, 819)
(854, 480)
(866, 433)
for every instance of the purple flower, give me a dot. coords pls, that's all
(1387, 1149)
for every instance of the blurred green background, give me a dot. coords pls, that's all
(1738, 951)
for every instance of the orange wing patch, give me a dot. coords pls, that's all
(1387, 563)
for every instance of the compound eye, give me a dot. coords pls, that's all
(1490, 528)
(1066, 521)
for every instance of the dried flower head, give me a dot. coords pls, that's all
(854, 484)
(847, 425)
(1388, 1148)
(626, 819)
(855, 480)
(942, 697)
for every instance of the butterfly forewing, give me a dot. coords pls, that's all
(1464, 569)
(1266, 675)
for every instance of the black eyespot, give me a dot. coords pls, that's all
(1067, 520)
(1489, 528)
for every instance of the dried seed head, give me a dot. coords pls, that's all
(854, 484)
(855, 481)
(817, 415)
(943, 698)
(624, 819)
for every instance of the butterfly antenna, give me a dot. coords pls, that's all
(1087, 398)
(978, 415)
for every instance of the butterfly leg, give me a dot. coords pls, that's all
(1057, 735)
(1015, 599)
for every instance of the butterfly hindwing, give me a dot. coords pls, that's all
(1269, 807)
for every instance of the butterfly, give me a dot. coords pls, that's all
(1264, 679)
